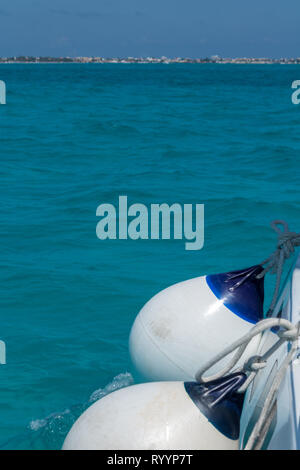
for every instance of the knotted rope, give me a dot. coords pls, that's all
(287, 241)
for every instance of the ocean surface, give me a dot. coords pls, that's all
(74, 136)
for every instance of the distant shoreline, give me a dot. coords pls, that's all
(148, 60)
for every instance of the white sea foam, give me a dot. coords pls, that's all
(37, 424)
(61, 422)
(118, 382)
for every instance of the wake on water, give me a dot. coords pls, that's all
(50, 432)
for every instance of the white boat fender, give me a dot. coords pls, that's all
(185, 325)
(163, 415)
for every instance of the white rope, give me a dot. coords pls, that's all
(240, 345)
(289, 334)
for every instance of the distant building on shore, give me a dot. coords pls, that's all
(214, 59)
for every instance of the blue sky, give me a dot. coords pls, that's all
(189, 28)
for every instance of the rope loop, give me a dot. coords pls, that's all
(289, 335)
(255, 363)
(286, 332)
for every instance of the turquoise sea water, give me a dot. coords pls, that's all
(75, 136)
